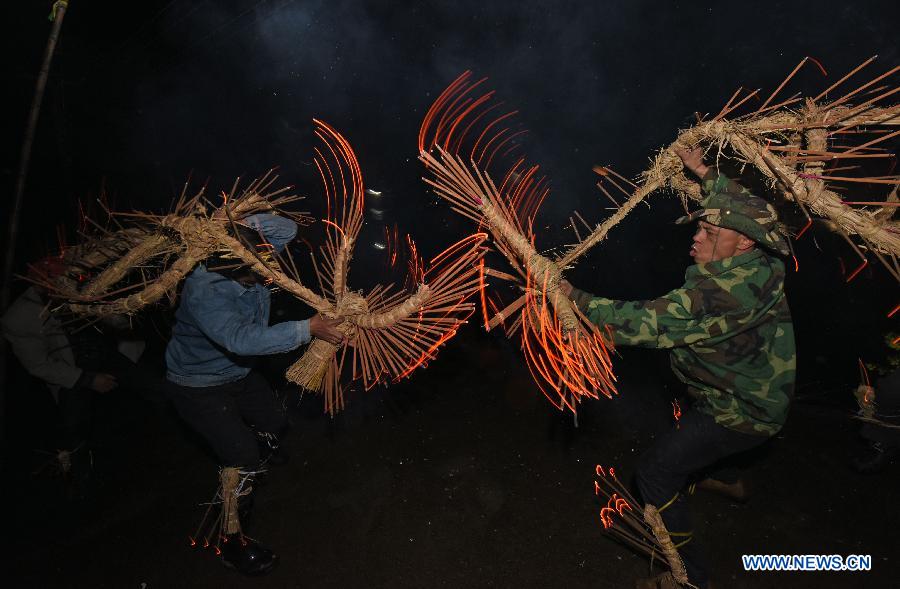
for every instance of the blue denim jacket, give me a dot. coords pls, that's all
(221, 324)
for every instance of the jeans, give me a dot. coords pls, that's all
(227, 416)
(698, 443)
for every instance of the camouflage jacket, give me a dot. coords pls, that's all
(730, 334)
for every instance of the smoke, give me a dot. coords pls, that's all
(231, 87)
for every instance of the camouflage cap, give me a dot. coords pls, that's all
(745, 213)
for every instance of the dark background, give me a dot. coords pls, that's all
(142, 95)
(139, 99)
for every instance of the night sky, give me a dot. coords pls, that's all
(140, 99)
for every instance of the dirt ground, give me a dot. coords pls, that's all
(463, 476)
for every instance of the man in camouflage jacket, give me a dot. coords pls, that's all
(731, 343)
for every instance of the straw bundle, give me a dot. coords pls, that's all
(390, 332)
(568, 356)
(800, 145)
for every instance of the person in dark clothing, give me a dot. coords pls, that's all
(49, 353)
(222, 324)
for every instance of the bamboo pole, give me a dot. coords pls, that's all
(59, 12)
(25, 155)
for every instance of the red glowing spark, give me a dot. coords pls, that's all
(481, 289)
(495, 310)
(858, 270)
(676, 410)
(333, 224)
(821, 68)
(614, 505)
(568, 360)
(572, 364)
(864, 373)
(805, 227)
(606, 516)
(427, 354)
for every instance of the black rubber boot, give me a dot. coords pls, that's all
(77, 467)
(247, 556)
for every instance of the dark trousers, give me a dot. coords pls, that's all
(76, 411)
(228, 415)
(697, 444)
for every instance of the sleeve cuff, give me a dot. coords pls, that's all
(303, 331)
(708, 181)
(581, 299)
(84, 381)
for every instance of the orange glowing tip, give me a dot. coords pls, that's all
(193, 542)
(614, 505)
(676, 409)
(858, 270)
(457, 246)
(464, 115)
(796, 264)
(427, 355)
(600, 170)
(819, 64)
(599, 470)
(805, 227)
(346, 153)
(612, 472)
(333, 224)
(484, 307)
(894, 311)
(606, 516)
(864, 373)
(896, 341)
(414, 263)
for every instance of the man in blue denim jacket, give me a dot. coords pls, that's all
(222, 324)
